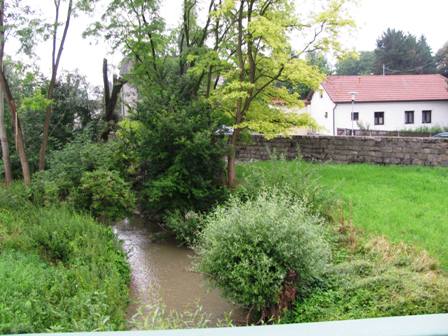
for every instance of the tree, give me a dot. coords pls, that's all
(110, 100)
(262, 57)
(442, 60)
(361, 64)
(3, 135)
(402, 53)
(424, 58)
(237, 61)
(72, 8)
(16, 125)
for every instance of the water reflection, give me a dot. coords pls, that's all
(162, 272)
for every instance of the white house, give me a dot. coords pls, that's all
(386, 103)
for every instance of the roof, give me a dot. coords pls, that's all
(391, 88)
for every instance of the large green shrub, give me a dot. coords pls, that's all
(177, 158)
(248, 249)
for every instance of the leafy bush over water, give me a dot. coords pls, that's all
(187, 227)
(59, 270)
(250, 249)
(105, 193)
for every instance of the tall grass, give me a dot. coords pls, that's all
(59, 270)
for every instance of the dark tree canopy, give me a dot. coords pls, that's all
(442, 60)
(362, 65)
(402, 53)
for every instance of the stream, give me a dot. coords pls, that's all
(162, 273)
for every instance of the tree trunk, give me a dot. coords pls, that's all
(44, 145)
(18, 135)
(231, 158)
(4, 141)
(110, 100)
(3, 135)
(56, 58)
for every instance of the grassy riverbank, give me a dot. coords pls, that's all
(403, 203)
(375, 270)
(59, 270)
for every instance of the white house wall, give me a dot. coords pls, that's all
(394, 115)
(321, 109)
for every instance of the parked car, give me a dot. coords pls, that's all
(443, 135)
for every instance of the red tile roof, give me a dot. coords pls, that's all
(387, 88)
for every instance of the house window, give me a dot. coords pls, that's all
(379, 118)
(355, 116)
(426, 117)
(408, 117)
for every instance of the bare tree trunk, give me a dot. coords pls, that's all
(44, 145)
(231, 158)
(14, 117)
(4, 141)
(110, 100)
(3, 135)
(231, 171)
(20, 145)
(56, 58)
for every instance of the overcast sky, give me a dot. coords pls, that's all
(372, 16)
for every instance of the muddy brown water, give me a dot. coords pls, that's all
(162, 272)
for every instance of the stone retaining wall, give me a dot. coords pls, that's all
(346, 149)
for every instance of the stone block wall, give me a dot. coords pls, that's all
(347, 149)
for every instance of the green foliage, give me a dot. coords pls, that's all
(73, 111)
(85, 175)
(429, 130)
(296, 178)
(400, 202)
(59, 271)
(378, 280)
(106, 194)
(362, 64)
(403, 54)
(178, 157)
(248, 248)
(187, 227)
(442, 60)
(367, 273)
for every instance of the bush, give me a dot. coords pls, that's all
(85, 176)
(187, 227)
(248, 250)
(59, 271)
(178, 158)
(296, 178)
(105, 194)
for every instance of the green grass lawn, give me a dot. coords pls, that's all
(403, 203)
